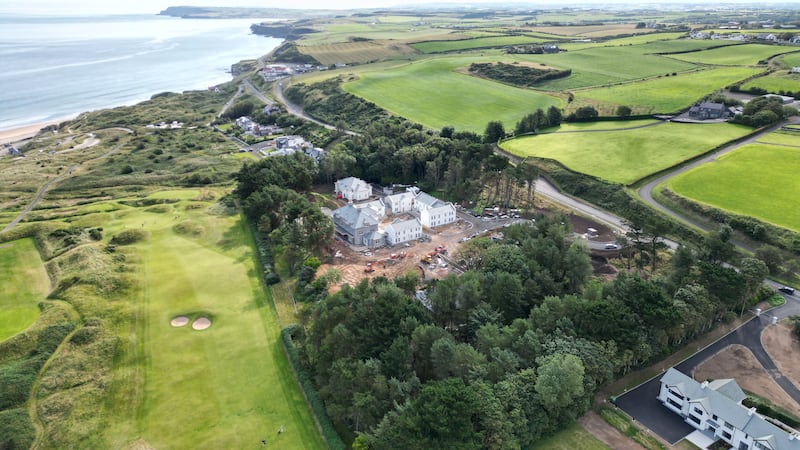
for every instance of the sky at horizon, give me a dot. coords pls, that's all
(78, 7)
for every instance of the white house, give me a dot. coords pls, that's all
(715, 408)
(377, 208)
(399, 203)
(399, 232)
(434, 212)
(353, 189)
(439, 215)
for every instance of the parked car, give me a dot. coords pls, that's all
(786, 290)
(611, 246)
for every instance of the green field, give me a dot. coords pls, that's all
(667, 94)
(432, 93)
(602, 65)
(228, 386)
(24, 283)
(756, 180)
(781, 138)
(737, 55)
(467, 44)
(626, 156)
(780, 81)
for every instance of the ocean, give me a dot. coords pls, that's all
(58, 67)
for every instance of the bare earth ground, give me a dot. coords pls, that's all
(783, 347)
(738, 362)
(609, 435)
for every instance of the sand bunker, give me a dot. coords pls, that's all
(179, 321)
(201, 323)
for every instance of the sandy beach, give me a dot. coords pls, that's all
(18, 134)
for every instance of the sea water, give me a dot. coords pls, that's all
(57, 67)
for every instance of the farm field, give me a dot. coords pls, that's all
(665, 94)
(592, 31)
(24, 283)
(629, 155)
(468, 44)
(355, 52)
(737, 55)
(430, 92)
(601, 65)
(630, 40)
(757, 180)
(791, 138)
(776, 82)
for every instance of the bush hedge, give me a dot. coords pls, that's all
(768, 410)
(328, 432)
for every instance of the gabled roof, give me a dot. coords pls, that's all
(428, 200)
(351, 184)
(399, 226)
(398, 197)
(713, 106)
(718, 397)
(355, 217)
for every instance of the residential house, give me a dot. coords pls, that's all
(434, 212)
(353, 189)
(377, 208)
(403, 231)
(715, 408)
(708, 110)
(439, 215)
(355, 225)
(399, 203)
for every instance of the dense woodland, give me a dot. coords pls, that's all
(510, 351)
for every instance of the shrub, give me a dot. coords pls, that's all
(128, 237)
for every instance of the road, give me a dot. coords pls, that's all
(296, 110)
(646, 191)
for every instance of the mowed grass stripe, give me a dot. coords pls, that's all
(430, 92)
(23, 282)
(629, 155)
(228, 386)
(757, 180)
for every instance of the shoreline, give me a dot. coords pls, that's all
(15, 135)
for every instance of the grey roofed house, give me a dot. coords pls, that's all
(715, 407)
(399, 203)
(427, 201)
(354, 224)
(403, 231)
(353, 188)
(709, 110)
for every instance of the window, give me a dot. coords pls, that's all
(761, 446)
(698, 410)
(714, 416)
(726, 435)
(674, 403)
(694, 419)
(728, 426)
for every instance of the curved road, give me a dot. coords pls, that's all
(296, 110)
(646, 191)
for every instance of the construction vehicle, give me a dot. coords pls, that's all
(426, 259)
(400, 255)
(368, 268)
(441, 249)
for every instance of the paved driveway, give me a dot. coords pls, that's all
(642, 404)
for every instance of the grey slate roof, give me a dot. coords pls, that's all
(717, 397)
(412, 224)
(429, 200)
(713, 106)
(352, 184)
(354, 217)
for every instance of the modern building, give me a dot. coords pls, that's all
(715, 408)
(355, 225)
(399, 203)
(434, 212)
(403, 231)
(352, 189)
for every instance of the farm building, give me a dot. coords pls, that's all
(709, 110)
(355, 225)
(403, 231)
(353, 189)
(399, 203)
(715, 408)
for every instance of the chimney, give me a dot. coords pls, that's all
(751, 411)
(703, 384)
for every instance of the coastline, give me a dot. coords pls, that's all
(14, 135)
